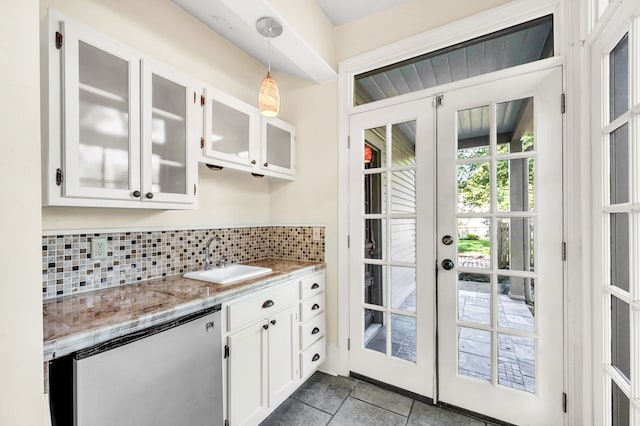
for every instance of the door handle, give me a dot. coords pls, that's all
(447, 264)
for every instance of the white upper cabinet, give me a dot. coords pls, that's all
(277, 146)
(232, 130)
(237, 138)
(118, 129)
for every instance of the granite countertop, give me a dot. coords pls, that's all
(82, 320)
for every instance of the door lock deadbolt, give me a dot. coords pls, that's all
(447, 240)
(447, 264)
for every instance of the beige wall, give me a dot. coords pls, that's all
(21, 396)
(165, 32)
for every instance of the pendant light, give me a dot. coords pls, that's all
(269, 97)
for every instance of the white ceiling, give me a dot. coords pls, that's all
(343, 11)
(290, 53)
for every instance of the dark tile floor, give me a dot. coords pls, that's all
(325, 399)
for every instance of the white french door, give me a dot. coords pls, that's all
(392, 229)
(499, 244)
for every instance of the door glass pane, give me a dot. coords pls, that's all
(403, 337)
(375, 334)
(403, 191)
(104, 119)
(515, 243)
(168, 136)
(516, 302)
(620, 348)
(474, 298)
(473, 132)
(619, 406)
(474, 188)
(374, 284)
(374, 238)
(474, 353)
(619, 250)
(403, 288)
(619, 78)
(375, 148)
(230, 130)
(514, 183)
(474, 243)
(375, 193)
(403, 143)
(516, 362)
(514, 123)
(278, 147)
(403, 240)
(619, 165)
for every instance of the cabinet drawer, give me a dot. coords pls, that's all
(261, 305)
(312, 358)
(311, 307)
(312, 285)
(312, 330)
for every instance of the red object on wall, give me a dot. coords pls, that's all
(368, 154)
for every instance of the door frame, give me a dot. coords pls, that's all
(509, 14)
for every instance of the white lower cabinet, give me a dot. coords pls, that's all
(269, 351)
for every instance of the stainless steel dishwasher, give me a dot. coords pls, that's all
(166, 375)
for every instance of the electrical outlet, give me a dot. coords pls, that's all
(98, 248)
(316, 233)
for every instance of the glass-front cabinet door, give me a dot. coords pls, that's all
(232, 130)
(101, 117)
(170, 108)
(277, 146)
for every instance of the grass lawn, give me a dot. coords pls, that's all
(473, 246)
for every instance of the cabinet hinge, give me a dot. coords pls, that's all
(563, 105)
(59, 177)
(226, 422)
(564, 251)
(203, 100)
(59, 39)
(348, 241)
(202, 143)
(349, 344)
(348, 142)
(439, 101)
(226, 351)
(195, 190)
(564, 402)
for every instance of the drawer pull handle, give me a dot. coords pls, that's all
(268, 304)
(273, 322)
(315, 307)
(315, 330)
(315, 357)
(314, 286)
(266, 326)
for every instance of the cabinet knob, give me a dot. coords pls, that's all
(266, 164)
(447, 264)
(253, 161)
(266, 326)
(269, 303)
(315, 307)
(149, 195)
(136, 194)
(315, 357)
(315, 330)
(314, 286)
(273, 322)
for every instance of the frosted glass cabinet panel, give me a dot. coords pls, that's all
(121, 130)
(168, 103)
(232, 130)
(278, 140)
(101, 117)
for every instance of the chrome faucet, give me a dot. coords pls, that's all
(207, 262)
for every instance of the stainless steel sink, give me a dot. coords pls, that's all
(229, 274)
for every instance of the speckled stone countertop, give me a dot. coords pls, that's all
(80, 321)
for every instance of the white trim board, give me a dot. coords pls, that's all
(50, 232)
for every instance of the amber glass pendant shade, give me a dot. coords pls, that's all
(269, 97)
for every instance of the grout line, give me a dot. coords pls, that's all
(413, 402)
(309, 405)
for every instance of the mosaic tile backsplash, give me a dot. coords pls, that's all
(67, 266)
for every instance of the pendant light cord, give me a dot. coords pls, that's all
(269, 51)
